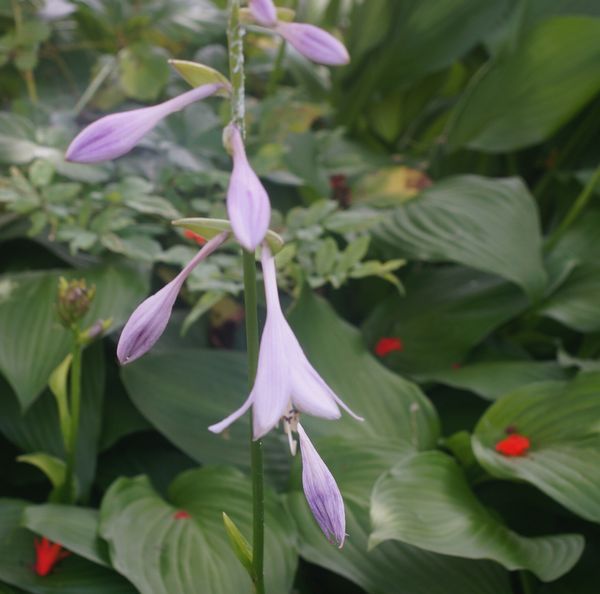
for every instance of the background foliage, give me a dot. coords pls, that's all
(441, 189)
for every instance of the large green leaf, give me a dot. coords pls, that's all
(561, 421)
(492, 379)
(74, 575)
(163, 554)
(38, 429)
(527, 94)
(393, 567)
(76, 528)
(488, 224)
(33, 341)
(446, 312)
(426, 501)
(392, 407)
(182, 392)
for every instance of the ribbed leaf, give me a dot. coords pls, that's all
(561, 421)
(527, 94)
(490, 225)
(393, 567)
(495, 378)
(183, 392)
(426, 501)
(74, 575)
(392, 406)
(33, 341)
(163, 552)
(76, 528)
(446, 312)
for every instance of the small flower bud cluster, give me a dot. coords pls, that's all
(74, 300)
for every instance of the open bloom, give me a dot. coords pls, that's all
(514, 445)
(149, 320)
(321, 491)
(114, 135)
(248, 204)
(312, 42)
(388, 344)
(285, 379)
(47, 555)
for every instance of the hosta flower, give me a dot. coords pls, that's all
(47, 555)
(264, 12)
(115, 135)
(248, 204)
(321, 491)
(149, 320)
(312, 42)
(285, 379)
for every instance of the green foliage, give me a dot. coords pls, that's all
(440, 190)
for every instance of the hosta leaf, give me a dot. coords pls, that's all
(490, 225)
(426, 501)
(392, 406)
(76, 528)
(182, 392)
(165, 552)
(527, 94)
(73, 575)
(495, 378)
(393, 567)
(446, 312)
(33, 342)
(562, 422)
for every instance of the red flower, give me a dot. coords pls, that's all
(47, 555)
(387, 345)
(513, 445)
(197, 238)
(181, 515)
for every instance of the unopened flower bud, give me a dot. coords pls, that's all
(74, 300)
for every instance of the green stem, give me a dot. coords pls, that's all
(75, 402)
(256, 447)
(576, 208)
(235, 36)
(527, 583)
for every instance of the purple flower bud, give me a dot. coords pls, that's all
(322, 493)
(314, 43)
(149, 320)
(247, 201)
(263, 12)
(114, 135)
(284, 374)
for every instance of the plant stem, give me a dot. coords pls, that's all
(576, 208)
(75, 405)
(256, 447)
(235, 35)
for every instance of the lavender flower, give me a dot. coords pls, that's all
(285, 379)
(264, 12)
(149, 320)
(247, 201)
(114, 135)
(312, 42)
(321, 491)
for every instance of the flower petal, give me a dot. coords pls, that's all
(114, 135)
(322, 493)
(247, 200)
(271, 392)
(314, 43)
(263, 12)
(222, 425)
(147, 323)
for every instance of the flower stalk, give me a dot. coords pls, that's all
(235, 34)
